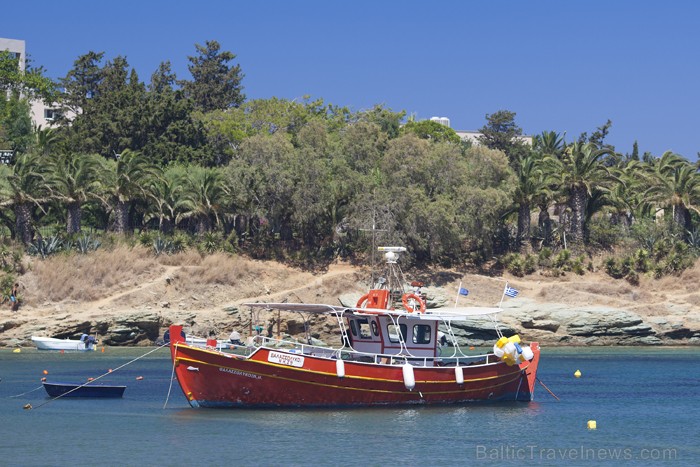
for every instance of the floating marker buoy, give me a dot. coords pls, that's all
(17, 351)
(63, 351)
(139, 378)
(577, 374)
(103, 350)
(46, 372)
(591, 424)
(471, 347)
(27, 407)
(109, 371)
(90, 379)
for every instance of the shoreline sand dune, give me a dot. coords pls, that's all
(128, 297)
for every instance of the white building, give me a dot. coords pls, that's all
(441, 120)
(42, 114)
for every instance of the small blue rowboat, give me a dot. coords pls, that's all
(83, 390)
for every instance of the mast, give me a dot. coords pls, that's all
(374, 231)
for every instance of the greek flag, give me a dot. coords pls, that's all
(463, 291)
(511, 292)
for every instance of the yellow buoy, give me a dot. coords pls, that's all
(17, 351)
(46, 372)
(591, 425)
(577, 374)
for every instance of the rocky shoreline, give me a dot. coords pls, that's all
(551, 324)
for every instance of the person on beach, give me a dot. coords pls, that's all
(14, 302)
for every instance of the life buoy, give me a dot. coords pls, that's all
(407, 296)
(362, 302)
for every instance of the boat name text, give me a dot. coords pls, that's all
(240, 373)
(286, 359)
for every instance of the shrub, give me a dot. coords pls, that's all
(45, 248)
(86, 244)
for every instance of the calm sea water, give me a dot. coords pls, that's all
(644, 401)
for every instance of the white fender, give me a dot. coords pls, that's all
(409, 380)
(340, 368)
(459, 375)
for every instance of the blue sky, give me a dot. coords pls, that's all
(566, 66)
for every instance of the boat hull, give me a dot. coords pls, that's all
(273, 378)
(50, 343)
(78, 390)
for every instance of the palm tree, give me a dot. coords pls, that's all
(549, 143)
(204, 198)
(129, 180)
(74, 180)
(529, 188)
(675, 183)
(165, 191)
(25, 188)
(577, 172)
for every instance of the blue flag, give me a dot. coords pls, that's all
(511, 292)
(463, 291)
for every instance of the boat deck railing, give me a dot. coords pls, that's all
(349, 354)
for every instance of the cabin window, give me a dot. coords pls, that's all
(364, 328)
(421, 334)
(393, 332)
(353, 327)
(375, 329)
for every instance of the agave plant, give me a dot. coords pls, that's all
(45, 248)
(86, 244)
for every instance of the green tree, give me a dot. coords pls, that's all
(82, 82)
(430, 130)
(16, 127)
(215, 85)
(530, 187)
(502, 133)
(166, 191)
(675, 184)
(74, 179)
(204, 198)
(24, 189)
(128, 180)
(27, 81)
(577, 172)
(552, 144)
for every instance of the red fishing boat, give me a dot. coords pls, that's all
(389, 354)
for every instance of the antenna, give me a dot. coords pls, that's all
(374, 231)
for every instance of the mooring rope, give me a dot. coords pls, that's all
(172, 375)
(29, 406)
(543, 385)
(20, 395)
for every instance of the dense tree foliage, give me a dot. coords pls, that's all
(306, 180)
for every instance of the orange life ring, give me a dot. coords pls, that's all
(415, 297)
(362, 302)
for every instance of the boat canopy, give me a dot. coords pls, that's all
(434, 314)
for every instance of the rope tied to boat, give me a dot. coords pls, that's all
(29, 406)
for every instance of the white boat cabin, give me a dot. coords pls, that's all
(383, 335)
